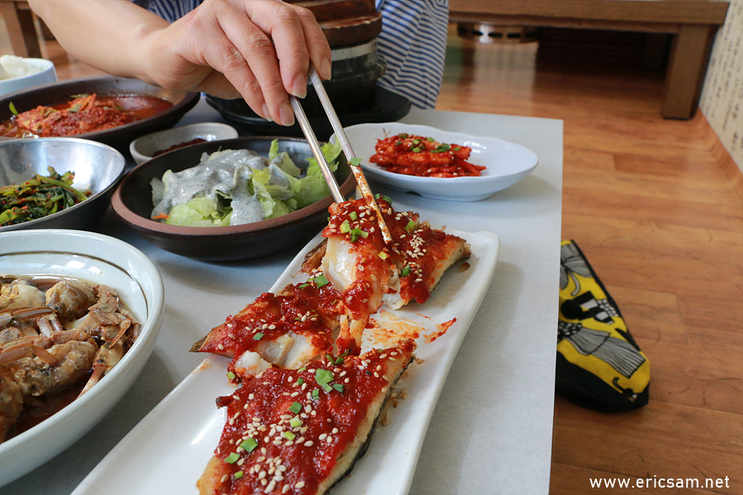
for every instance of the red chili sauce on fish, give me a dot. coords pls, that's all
(415, 248)
(288, 427)
(83, 114)
(303, 308)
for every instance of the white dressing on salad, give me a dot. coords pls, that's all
(234, 187)
(227, 172)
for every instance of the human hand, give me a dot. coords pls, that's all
(259, 50)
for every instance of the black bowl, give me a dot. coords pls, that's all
(118, 137)
(132, 202)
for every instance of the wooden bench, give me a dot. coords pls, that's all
(692, 23)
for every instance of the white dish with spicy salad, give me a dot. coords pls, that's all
(505, 163)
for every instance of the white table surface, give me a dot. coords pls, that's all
(491, 432)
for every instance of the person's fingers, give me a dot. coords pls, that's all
(282, 23)
(262, 64)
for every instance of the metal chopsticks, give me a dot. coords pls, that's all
(340, 134)
(316, 150)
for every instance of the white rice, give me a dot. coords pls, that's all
(12, 67)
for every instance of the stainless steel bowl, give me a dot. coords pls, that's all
(97, 167)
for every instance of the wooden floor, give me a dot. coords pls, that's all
(657, 206)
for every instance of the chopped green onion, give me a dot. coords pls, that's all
(338, 360)
(296, 408)
(345, 227)
(238, 475)
(300, 381)
(315, 393)
(295, 422)
(338, 387)
(402, 136)
(323, 376)
(443, 147)
(320, 281)
(405, 271)
(416, 141)
(356, 233)
(249, 444)
(303, 368)
(355, 162)
(410, 226)
(232, 458)
(398, 143)
(12, 109)
(383, 255)
(416, 150)
(289, 435)
(429, 139)
(353, 215)
(326, 387)
(302, 286)
(230, 376)
(258, 336)
(456, 148)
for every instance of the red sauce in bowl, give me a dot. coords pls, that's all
(81, 115)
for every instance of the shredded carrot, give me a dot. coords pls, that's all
(161, 216)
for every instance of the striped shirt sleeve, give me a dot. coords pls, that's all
(413, 44)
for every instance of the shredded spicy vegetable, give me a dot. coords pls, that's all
(423, 156)
(38, 197)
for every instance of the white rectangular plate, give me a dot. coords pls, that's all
(168, 450)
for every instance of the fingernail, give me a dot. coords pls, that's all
(286, 114)
(299, 88)
(326, 70)
(266, 113)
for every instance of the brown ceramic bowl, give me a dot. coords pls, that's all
(132, 202)
(118, 137)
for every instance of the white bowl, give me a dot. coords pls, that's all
(46, 74)
(507, 163)
(145, 147)
(98, 259)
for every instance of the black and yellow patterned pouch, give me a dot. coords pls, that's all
(599, 365)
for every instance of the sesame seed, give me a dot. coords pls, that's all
(308, 443)
(285, 489)
(224, 478)
(271, 486)
(323, 436)
(335, 431)
(300, 484)
(329, 439)
(261, 475)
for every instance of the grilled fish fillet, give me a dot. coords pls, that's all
(300, 431)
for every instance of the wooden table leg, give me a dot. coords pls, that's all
(23, 36)
(686, 70)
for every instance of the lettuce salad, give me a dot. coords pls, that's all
(234, 187)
